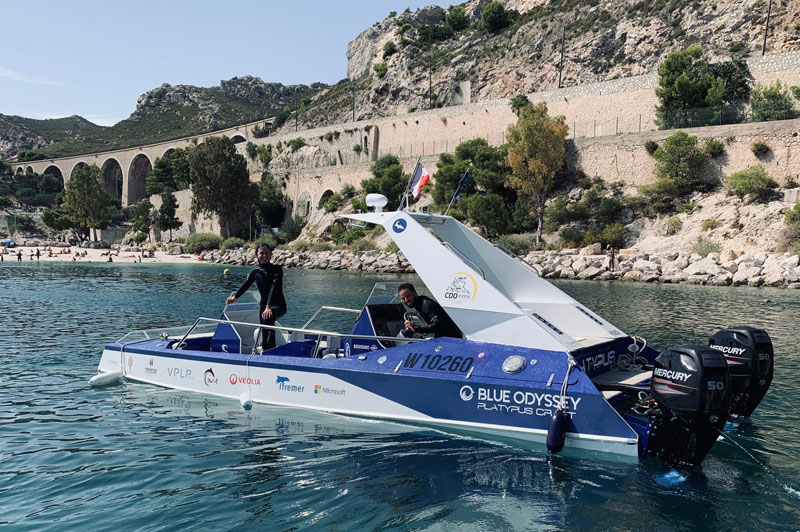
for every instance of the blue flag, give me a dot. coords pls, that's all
(465, 180)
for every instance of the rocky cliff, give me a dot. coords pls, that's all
(602, 40)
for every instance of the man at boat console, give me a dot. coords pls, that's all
(269, 279)
(439, 323)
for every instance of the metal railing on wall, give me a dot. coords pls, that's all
(616, 125)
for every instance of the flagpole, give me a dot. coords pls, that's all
(408, 186)
(453, 199)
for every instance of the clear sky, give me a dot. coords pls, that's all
(94, 58)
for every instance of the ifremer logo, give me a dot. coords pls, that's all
(466, 393)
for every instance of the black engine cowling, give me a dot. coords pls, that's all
(750, 358)
(691, 386)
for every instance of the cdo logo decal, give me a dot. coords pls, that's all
(466, 393)
(462, 287)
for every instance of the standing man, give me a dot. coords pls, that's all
(439, 323)
(269, 279)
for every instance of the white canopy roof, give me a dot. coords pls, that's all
(492, 296)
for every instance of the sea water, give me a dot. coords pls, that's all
(139, 457)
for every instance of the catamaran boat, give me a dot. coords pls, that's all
(534, 365)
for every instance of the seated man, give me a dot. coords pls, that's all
(439, 323)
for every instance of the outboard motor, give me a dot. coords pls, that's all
(690, 385)
(750, 358)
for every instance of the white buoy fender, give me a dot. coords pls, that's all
(245, 401)
(226, 271)
(103, 379)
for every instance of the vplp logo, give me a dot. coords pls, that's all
(466, 393)
(399, 225)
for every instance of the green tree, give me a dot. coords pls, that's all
(86, 203)
(688, 84)
(56, 218)
(536, 153)
(773, 102)
(269, 206)
(518, 102)
(5, 168)
(489, 212)
(166, 219)
(142, 216)
(170, 173)
(221, 184)
(457, 18)
(679, 161)
(495, 17)
(388, 180)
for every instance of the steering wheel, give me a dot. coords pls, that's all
(409, 333)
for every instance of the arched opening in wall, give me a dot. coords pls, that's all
(137, 174)
(324, 198)
(29, 170)
(167, 152)
(20, 171)
(237, 139)
(111, 177)
(303, 205)
(55, 171)
(77, 167)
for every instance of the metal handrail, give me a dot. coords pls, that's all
(314, 332)
(518, 258)
(325, 307)
(463, 257)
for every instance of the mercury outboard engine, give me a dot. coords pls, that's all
(690, 385)
(750, 358)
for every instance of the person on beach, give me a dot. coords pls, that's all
(439, 323)
(611, 258)
(269, 279)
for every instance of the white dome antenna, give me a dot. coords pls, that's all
(376, 202)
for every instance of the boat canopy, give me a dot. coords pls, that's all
(492, 296)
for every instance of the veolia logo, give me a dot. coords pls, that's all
(399, 225)
(466, 393)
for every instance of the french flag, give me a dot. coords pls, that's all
(419, 179)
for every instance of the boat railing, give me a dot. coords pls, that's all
(517, 258)
(302, 330)
(326, 307)
(164, 332)
(466, 259)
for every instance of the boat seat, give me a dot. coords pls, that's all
(387, 318)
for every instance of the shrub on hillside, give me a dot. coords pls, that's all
(320, 246)
(520, 244)
(753, 180)
(198, 242)
(760, 149)
(232, 243)
(614, 235)
(380, 69)
(710, 224)
(651, 146)
(362, 244)
(296, 144)
(703, 247)
(674, 225)
(714, 147)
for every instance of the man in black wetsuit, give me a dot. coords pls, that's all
(439, 323)
(269, 279)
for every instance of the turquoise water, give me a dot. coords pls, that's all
(139, 457)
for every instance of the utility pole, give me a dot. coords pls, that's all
(430, 82)
(296, 112)
(353, 84)
(561, 65)
(766, 28)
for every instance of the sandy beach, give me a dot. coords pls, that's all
(94, 255)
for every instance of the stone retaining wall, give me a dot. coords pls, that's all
(725, 269)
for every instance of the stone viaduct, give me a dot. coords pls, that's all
(123, 171)
(609, 122)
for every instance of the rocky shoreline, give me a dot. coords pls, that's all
(729, 268)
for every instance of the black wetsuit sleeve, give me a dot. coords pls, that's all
(432, 313)
(278, 301)
(247, 284)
